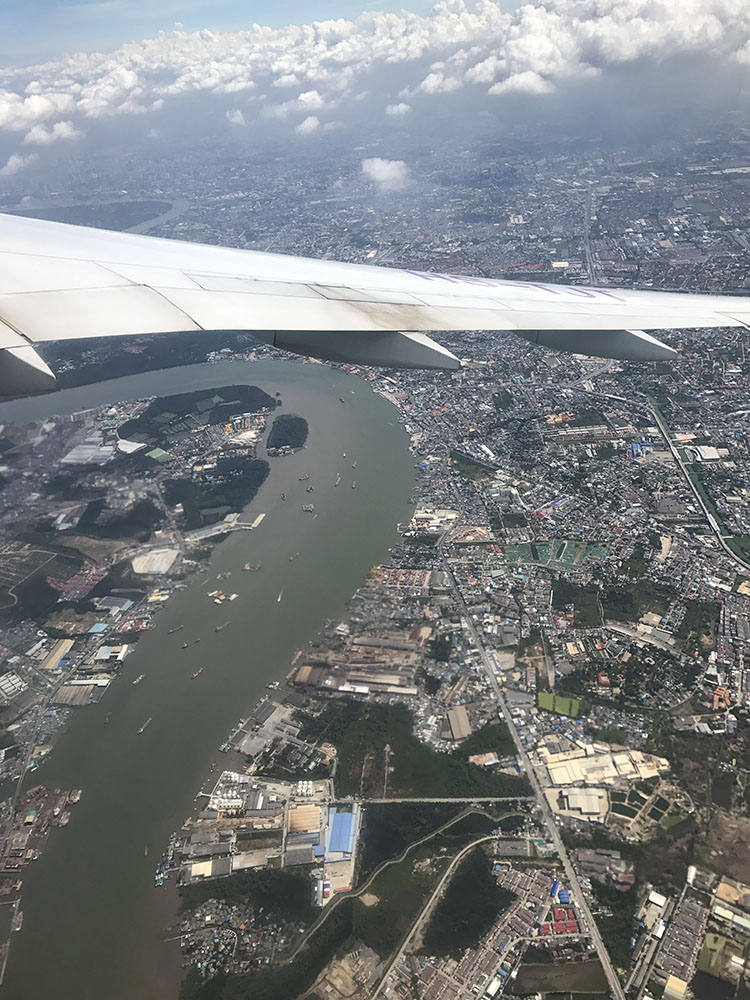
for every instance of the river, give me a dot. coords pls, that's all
(94, 925)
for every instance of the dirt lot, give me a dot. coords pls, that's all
(347, 978)
(727, 848)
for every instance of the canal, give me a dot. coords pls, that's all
(94, 925)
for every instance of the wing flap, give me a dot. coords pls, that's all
(97, 312)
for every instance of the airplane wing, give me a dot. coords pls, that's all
(61, 282)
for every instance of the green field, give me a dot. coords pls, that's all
(558, 703)
(672, 819)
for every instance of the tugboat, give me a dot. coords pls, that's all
(272, 685)
(354, 485)
(303, 479)
(295, 556)
(283, 496)
(338, 479)
(354, 464)
(308, 508)
(251, 567)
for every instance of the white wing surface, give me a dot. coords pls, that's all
(60, 282)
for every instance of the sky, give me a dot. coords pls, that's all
(37, 30)
(231, 72)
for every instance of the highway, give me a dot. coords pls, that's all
(715, 526)
(588, 923)
(480, 798)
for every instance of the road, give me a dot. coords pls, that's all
(588, 922)
(481, 798)
(715, 526)
(589, 210)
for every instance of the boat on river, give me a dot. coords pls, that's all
(187, 645)
(138, 679)
(145, 726)
(198, 672)
(220, 628)
(175, 629)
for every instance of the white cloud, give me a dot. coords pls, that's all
(308, 125)
(398, 110)
(389, 175)
(41, 136)
(15, 163)
(308, 100)
(527, 82)
(235, 117)
(475, 45)
(439, 83)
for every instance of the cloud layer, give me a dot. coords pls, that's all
(300, 76)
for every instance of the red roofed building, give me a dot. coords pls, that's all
(558, 927)
(545, 929)
(559, 913)
(571, 927)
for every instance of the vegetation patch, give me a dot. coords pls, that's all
(361, 731)
(208, 497)
(492, 738)
(401, 891)
(469, 907)
(389, 827)
(616, 920)
(627, 605)
(701, 619)
(287, 431)
(585, 601)
(281, 894)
